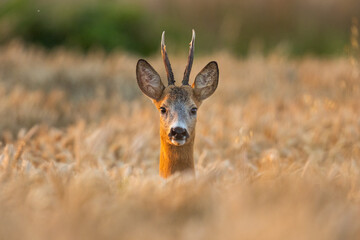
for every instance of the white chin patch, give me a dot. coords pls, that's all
(178, 142)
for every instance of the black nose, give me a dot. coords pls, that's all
(178, 132)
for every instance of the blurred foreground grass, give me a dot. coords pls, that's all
(277, 150)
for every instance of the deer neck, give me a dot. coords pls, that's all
(176, 158)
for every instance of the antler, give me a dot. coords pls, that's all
(169, 73)
(185, 81)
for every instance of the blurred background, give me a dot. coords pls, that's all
(277, 149)
(293, 27)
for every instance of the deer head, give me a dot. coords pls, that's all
(177, 105)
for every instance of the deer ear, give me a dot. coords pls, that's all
(206, 81)
(149, 80)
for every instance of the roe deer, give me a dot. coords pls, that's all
(178, 107)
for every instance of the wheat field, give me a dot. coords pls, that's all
(277, 150)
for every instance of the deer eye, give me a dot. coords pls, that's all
(163, 110)
(193, 110)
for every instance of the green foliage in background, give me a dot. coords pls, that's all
(82, 26)
(295, 27)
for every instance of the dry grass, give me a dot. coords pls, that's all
(277, 151)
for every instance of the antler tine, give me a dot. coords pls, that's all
(169, 73)
(185, 81)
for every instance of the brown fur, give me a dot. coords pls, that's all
(176, 158)
(178, 102)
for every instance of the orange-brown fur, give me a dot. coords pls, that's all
(176, 158)
(178, 107)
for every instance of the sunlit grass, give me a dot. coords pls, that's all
(277, 150)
